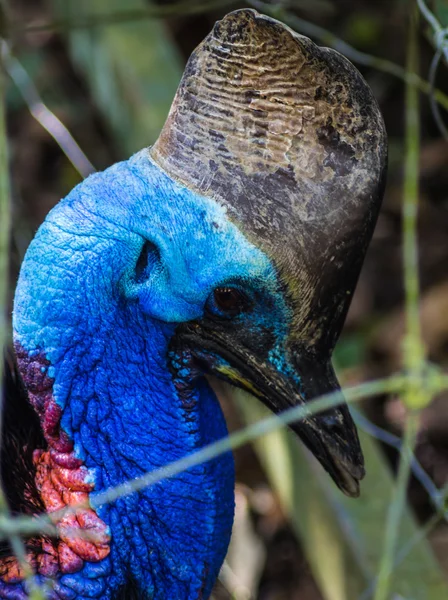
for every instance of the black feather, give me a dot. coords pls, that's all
(21, 434)
(130, 591)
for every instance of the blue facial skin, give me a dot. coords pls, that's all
(105, 323)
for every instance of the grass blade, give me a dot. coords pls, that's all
(342, 537)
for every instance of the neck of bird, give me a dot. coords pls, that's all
(111, 411)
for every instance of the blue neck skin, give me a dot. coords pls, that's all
(106, 336)
(127, 420)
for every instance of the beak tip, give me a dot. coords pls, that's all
(353, 490)
(348, 479)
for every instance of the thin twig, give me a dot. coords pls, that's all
(362, 58)
(413, 349)
(184, 8)
(29, 526)
(251, 433)
(441, 43)
(43, 115)
(427, 14)
(36, 592)
(432, 82)
(396, 442)
(413, 356)
(440, 33)
(395, 512)
(420, 535)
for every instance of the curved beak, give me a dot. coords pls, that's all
(331, 436)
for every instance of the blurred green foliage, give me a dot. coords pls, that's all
(441, 11)
(133, 69)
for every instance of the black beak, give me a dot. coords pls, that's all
(331, 436)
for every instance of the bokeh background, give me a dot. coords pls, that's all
(107, 70)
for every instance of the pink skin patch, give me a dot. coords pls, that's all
(61, 480)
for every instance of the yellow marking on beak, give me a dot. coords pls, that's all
(237, 378)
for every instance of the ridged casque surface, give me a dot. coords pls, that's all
(289, 137)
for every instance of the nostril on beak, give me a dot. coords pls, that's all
(333, 423)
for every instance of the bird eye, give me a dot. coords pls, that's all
(227, 301)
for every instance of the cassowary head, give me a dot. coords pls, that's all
(231, 247)
(288, 138)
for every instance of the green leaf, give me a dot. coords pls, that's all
(343, 537)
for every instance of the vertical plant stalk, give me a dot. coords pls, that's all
(415, 395)
(5, 226)
(413, 350)
(43, 115)
(385, 575)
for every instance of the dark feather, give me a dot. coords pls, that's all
(21, 435)
(130, 591)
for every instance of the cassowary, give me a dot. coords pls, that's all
(231, 247)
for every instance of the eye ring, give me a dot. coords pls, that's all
(227, 301)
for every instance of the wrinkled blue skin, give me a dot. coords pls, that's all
(107, 336)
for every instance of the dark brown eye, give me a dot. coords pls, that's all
(227, 301)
